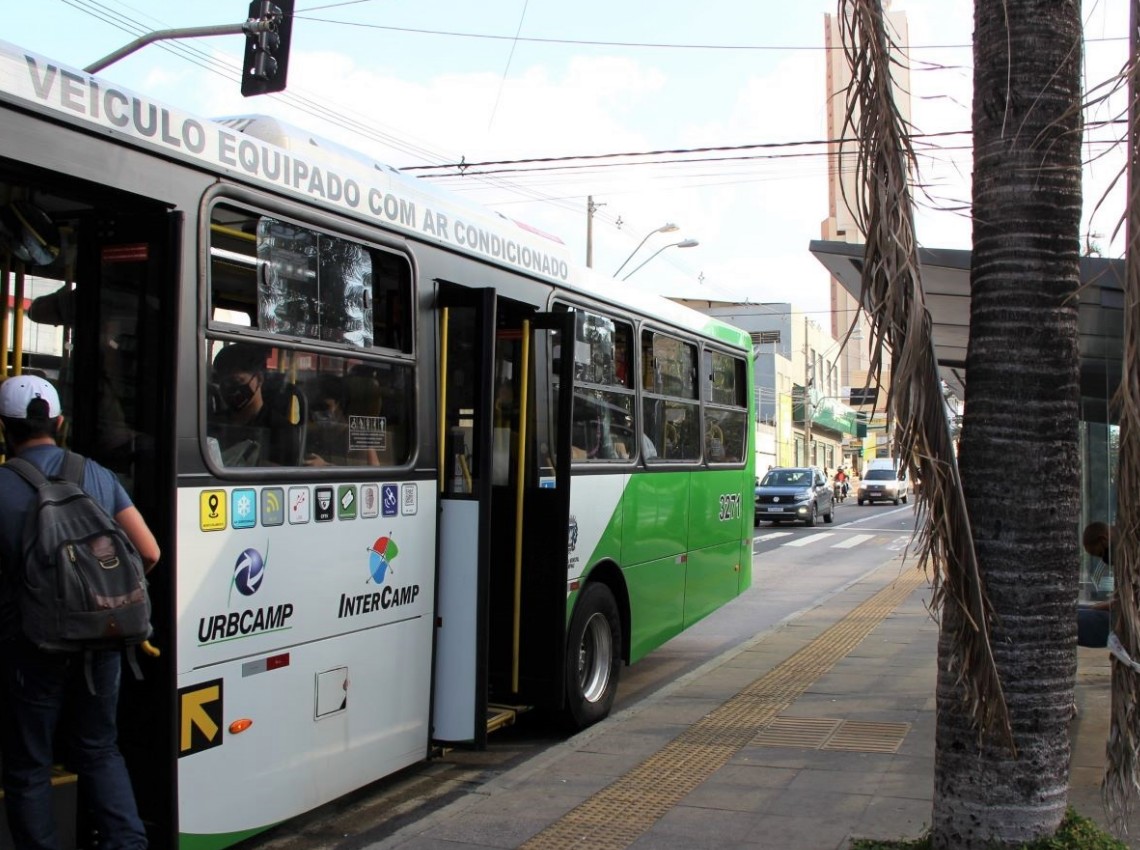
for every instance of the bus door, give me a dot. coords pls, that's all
(466, 347)
(502, 565)
(535, 668)
(97, 319)
(123, 386)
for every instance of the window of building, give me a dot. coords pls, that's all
(765, 337)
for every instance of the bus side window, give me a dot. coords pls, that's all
(324, 292)
(726, 408)
(603, 422)
(233, 267)
(671, 409)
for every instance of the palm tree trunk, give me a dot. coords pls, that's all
(1019, 455)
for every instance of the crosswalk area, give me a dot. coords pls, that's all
(833, 539)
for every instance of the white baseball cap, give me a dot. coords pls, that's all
(17, 392)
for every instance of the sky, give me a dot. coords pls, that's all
(413, 84)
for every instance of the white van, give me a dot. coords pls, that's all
(882, 482)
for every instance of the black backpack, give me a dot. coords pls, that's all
(81, 586)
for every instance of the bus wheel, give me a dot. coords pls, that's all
(593, 656)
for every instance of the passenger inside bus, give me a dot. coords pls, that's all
(329, 440)
(255, 423)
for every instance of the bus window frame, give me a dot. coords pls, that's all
(210, 331)
(602, 466)
(681, 336)
(707, 403)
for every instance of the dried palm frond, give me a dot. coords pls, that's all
(893, 300)
(1122, 750)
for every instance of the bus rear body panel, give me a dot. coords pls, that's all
(304, 649)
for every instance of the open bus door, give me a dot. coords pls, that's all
(96, 322)
(538, 650)
(500, 632)
(466, 347)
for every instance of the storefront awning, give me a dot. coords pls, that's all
(946, 284)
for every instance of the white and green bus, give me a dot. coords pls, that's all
(408, 463)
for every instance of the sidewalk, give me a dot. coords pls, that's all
(801, 739)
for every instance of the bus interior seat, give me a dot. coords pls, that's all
(289, 412)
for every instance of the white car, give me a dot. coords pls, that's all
(883, 484)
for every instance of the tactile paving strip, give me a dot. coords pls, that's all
(620, 813)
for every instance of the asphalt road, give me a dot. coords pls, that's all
(794, 568)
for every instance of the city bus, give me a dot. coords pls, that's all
(411, 467)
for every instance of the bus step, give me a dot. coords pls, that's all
(501, 716)
(63, 788)
(59, 776)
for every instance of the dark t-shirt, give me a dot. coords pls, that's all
(266, 440)
(17, 498)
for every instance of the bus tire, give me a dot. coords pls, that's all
(593, 656)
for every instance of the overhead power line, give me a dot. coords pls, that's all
(649, 45)
(607, 160)
(229, 68)
(667, 152)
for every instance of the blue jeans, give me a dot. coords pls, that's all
(37, 687)
(1093, 626)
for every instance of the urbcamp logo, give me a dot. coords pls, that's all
(381, 554)
(572, 542)
(249, 572)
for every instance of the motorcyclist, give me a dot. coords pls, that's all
(841, 482)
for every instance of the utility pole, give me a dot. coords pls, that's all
(807, 397)
(590, 208)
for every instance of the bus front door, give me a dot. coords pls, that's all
(466, 347)
(500, 632)
(542, 504)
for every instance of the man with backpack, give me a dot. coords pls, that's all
(39, 682)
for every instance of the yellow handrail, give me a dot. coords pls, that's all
(5, 291)
(520, 481)
(17, 321)
(443, 316)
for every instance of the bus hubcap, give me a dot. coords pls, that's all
(594, 654)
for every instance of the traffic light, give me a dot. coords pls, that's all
(267, 50)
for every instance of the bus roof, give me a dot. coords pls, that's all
(263, 152)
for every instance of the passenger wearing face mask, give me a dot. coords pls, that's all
(249, 428)
(329, 442)
(328, 439)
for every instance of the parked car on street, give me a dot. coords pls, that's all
(883, 484)
(794, 493)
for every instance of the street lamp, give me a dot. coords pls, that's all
(684, 243)
(665, 228)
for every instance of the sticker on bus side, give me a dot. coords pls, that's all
(200, 717)
(272, 506)
(243, 507)
(212, 510)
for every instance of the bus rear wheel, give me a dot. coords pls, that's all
(593, 657)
